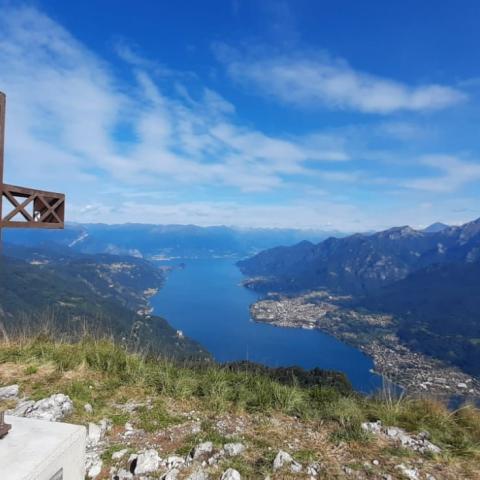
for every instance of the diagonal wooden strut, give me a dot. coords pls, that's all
(19, 207)
(48, 208)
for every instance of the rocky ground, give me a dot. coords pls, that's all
(275, 447)
(152, 420)
(373, 334)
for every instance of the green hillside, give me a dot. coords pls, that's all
(100, 295)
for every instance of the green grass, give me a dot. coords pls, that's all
(221, 390)
(31, 370)
(155, 417)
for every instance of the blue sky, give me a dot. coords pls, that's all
(313, 114)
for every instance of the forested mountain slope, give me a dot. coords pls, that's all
(73, 294)
(361, 264)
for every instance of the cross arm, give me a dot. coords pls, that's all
(36, 208)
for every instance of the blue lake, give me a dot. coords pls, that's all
(206, 301)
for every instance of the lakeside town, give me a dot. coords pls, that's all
(372, 333)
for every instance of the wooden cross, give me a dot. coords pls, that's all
(28, 208)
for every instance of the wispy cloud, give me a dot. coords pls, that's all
(451, 174)
(68, 114)
(319, 81)
(155, 145)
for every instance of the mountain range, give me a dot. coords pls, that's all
(164, 241)
(360, 263)
(428, 280)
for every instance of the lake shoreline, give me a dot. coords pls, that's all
(207, 302)
(372, 334)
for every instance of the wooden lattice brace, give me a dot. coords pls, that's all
(32, 208)
(29, 208)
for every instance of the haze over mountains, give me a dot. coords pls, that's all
(166, 240)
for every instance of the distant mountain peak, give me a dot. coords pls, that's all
(436, 227)
(398, 232)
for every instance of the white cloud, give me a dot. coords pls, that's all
(110, 141)
(66, 107)
(317, 81)
(453, 174)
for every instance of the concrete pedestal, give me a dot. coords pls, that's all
(41, 450)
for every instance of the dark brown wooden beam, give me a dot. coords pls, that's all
(3, 104)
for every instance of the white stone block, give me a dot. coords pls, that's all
(40, 450)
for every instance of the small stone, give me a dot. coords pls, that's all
(214, 458)
(234, 449)
(372, 427)
(295, 467)
(198, 475)
(347, 471)
(93, 464)
(120, 454)
(202, 450)
(282, 459)
(410, 473)
(9, 392)
(174, 461)
(196, 428)
(171, 474)
(123, 474)
(147, 462)
(95, 469)
(94, 434)
(376, 463)
(392, 432)
(105, 425)
(88, 408)
(231, 474)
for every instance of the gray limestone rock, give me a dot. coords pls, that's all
(93, 464)
(417, 443)
(231, 474)
(171, 474)
(408, 472)
(202, 450)
(234, 449)
(198, 475)
(9, 392)
(174, 461)
(283, 459)
(53, 408)
(148, 461)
